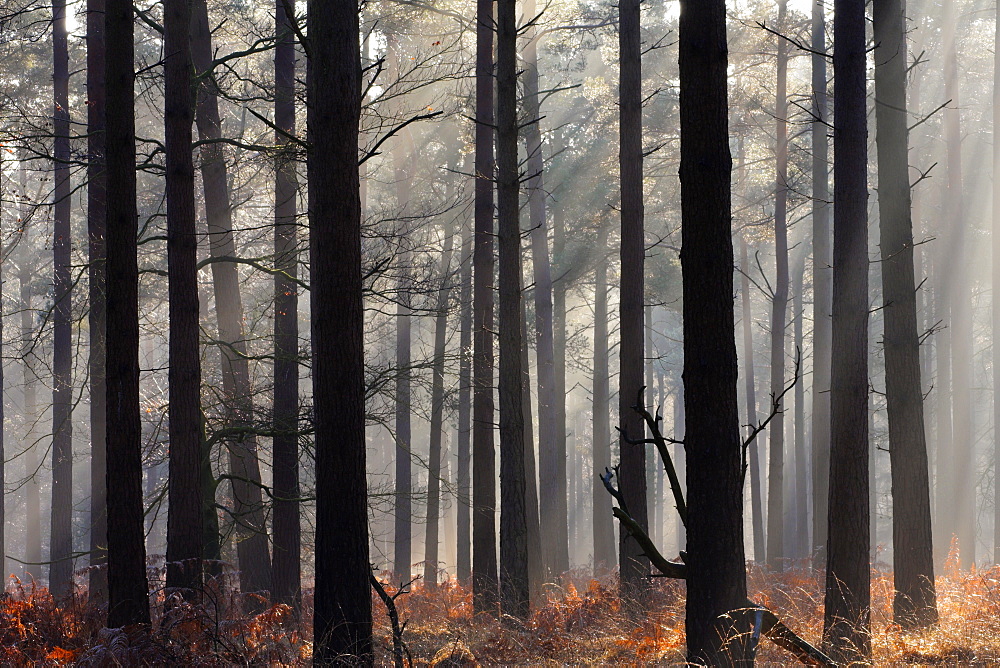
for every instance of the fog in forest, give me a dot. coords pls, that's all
(547, 379)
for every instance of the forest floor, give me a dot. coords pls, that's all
(580, 624)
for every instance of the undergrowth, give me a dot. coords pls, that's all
(578, 622)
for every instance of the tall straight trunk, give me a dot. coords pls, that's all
(799, 547)
(128, 601)
(3, 463)
(633, 564)
(343, 610)
(716, 584)
(248, 511)
(962, 482)
(286, 520)
(604, 532)
(551, 449)
(463, 560)
(32, 492)
(96, 218)
(559, 368)
(776, 549)
(846, 627)
(651, 398)
(914, 602)
(485, 585)
(995, 334)
(536, 569)
(184, 479)
(61, 538)
(437, 411)
(514, 584)
(822, 288)
(756, 489)
(943, 527)
(402, 161)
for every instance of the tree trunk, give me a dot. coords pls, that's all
(514, 585)
(485, 586)
(32, 465)
(252, 548)
(463, 560)
(551, 449)
(604, 532)
(846, 627)
(402, 161)
(652, 398)
(286, 522)
(822, 289)
(343, 611)
(437, 410)
(756, 489)
(776, 549)
(96, 219)
(128, 601)
(716, 585)
(914, 603)
(633, 564)
(559, 367)
(961, 487)
(61, 538)
(536, 569)
(799, 548)
(184, 483)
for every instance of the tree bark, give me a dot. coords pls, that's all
(463, 561)
(846, 627)
(822, 289)
(485, 586)
(183, 480)
(914, 602)
(61, 537)
(514, 584)
(551, 449)
(286, 520)
(252, 545)
(604, 531)
(961, 486)
(633, 565)
(536, 569)
(716, 568)
(128, 601)
(32, 493)
(343, 612)
(437, 410)
(96, 219)
(776, 549)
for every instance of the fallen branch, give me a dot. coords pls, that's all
(398, 646)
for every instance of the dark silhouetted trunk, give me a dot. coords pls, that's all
(485, 586)
(514, 585)
(128, 601)
(716, 582)
(633, 564)
(286, 523)
(183, 480)
(604, 532)
(96, 219)
(822, 288)
(61, 538)
(914, 603)
(343, 610)
(776, 551)
(551, 449)
(248, 511)
(463, 560)
(437, 410)
(846, 627)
